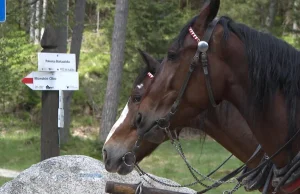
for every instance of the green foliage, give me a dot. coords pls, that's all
(15, 62)
(152, 25)
(94, 61)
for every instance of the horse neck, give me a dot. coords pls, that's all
(231, 131)
(271, 126)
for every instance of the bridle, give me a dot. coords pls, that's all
(164, 124)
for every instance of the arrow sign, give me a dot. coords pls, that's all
(52, 80)
(2, 10)
(56, 62)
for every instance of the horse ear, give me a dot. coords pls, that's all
(208, 12)
(150, 61)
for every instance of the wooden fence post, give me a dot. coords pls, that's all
(49, 129)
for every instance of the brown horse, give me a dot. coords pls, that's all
(256, 72)
(232, 133)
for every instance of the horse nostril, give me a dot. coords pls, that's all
(138, 118)
(104, 153)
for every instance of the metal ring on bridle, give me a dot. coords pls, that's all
(163, 123)
(128, 154)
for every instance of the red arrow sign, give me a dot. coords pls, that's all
(27, 80)
(38, 80)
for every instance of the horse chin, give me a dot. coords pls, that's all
(123, 169)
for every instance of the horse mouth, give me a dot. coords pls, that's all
(123, 169)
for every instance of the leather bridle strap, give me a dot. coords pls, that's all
(201, 49)
(204, 60)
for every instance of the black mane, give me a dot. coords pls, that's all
(273, 65)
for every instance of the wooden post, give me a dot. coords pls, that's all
(49, 132)
(123, 188)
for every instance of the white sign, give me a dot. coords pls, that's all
(61, 118)
(52, 80)
(61, 112)
(56, 62)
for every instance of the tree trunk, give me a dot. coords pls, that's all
(79, 14)
(32, 21)
(37, 23)
(44, 13)
(289, 14)
(61, 18)
(271, 14)
(109, 111)
(98, 21)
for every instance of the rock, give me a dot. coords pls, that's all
(74, 174)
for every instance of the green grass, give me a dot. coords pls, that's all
(205, 157)
(3, 180)
(20, 148)
(20, 144)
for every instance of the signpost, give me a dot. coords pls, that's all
(56, 62)
(2, 11)
(38, 80)
(56, 73)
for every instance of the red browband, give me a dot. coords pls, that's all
(193, 34)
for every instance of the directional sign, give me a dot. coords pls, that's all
(56, 62)
(52, 80)
(2, 10)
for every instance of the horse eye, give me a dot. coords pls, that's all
(172, 55)
(136, 98)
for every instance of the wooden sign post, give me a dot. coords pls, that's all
(49, 132)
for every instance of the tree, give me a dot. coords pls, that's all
(37, 32)
(44, 13)
(271, 15)
(32, 21)
(109, 111)
(79, 13)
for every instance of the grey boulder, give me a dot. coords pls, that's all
(74, 174)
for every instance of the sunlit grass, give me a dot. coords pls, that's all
(205, 157)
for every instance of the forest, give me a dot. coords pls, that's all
(151, 26)
(107, 66)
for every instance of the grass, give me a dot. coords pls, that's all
(205, 157)
(3, 180)
(20, 148)
(20, 145)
